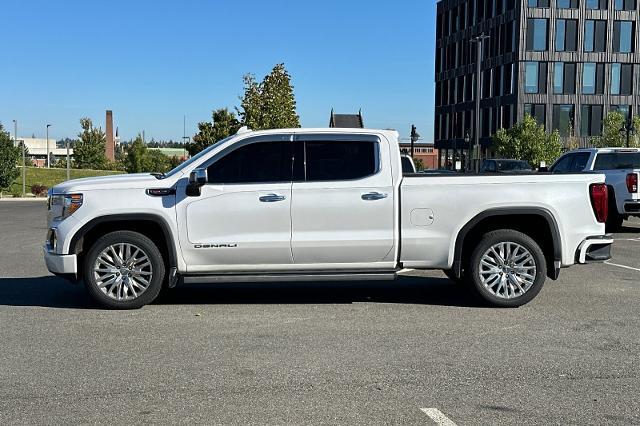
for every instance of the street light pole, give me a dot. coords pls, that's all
(48, 157)
(479, 41)
(68, 162)
(24, 169)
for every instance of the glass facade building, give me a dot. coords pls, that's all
(567, 63)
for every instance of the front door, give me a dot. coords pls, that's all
(241, 221)
(342, 207)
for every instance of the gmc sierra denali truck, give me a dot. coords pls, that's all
(320, 204)
(620, 167)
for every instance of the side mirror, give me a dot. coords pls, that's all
(198, 177)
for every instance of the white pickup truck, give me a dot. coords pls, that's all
(320, 204)
(620, 166)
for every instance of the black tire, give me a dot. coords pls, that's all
(157, 267)
(502, 236)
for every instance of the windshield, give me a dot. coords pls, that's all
(513, 165)
(195, 158)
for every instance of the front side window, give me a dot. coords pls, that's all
(340, 160)
(580, 161)
(537, 34)
(563, 165)
(260, 162)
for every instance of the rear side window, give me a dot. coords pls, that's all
(262, 162)
(340, 160)
(580, 161)
(563, 165)
(617, 160)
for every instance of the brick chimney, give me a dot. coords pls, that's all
(110, 146)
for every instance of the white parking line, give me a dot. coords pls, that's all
(627, 239)
(622, 266)
(438, 417)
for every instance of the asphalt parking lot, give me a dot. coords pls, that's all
(356, 353)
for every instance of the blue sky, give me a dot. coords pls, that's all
(152, 62)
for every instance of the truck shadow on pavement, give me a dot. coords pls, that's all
(53, 292)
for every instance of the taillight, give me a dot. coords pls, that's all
(600, 201)
(632, 182)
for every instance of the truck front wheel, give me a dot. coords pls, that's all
(507, 268)
(124, 270)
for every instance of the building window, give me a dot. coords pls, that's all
(623, 36)
(621, 79)
(595, 36)
(536, 111)
(591, 120)
(566, 35)
(538, 3)
(535, 80)
(625, 110)
(592, 79)
(563, 119)
(567, 4)
(596, 4)
(564, 78)
(537, 34)
(625, 4)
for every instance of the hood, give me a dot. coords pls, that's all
(128, 181)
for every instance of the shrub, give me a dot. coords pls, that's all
(39, 190)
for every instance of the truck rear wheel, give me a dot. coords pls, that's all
(507, 268)
(124, 270)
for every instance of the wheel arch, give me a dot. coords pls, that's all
(513, 218)
(153, 226)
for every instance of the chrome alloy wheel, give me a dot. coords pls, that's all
(123, 271)
(507, 270)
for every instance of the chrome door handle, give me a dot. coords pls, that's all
(272, 198)
(371, 196)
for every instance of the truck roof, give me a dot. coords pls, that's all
(332, 130)
(606, 150)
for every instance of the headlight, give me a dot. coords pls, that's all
(69, 202)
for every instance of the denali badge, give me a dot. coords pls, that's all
(231, 245)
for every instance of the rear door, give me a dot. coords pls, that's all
(342, 209)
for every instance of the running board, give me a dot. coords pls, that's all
(266, 278)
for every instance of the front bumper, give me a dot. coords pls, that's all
(61, 264)
(595, 249)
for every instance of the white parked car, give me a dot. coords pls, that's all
(320, 204)
(620, 166)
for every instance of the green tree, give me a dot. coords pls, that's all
(9, 155)
(88, 152)
(156, 161)
(224, 124)
(528, 141)
(134, 160)
(614, 134)
(271, 103)
(139, 158)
